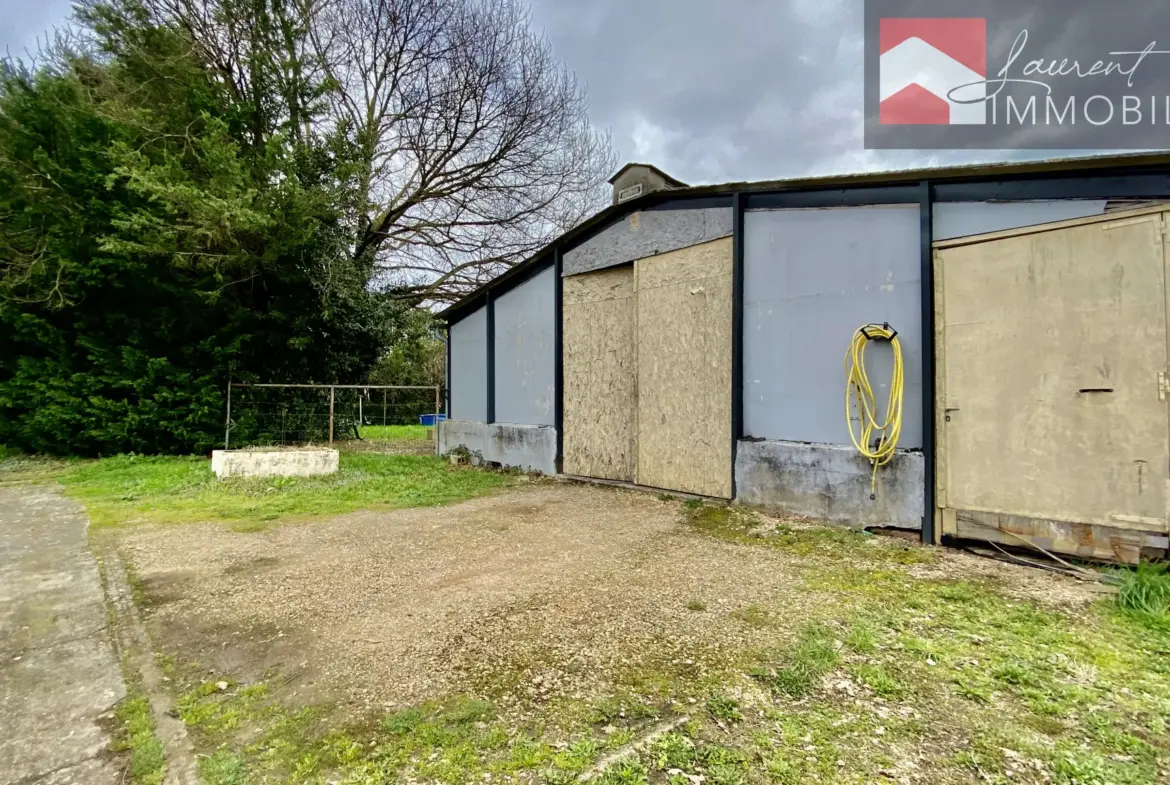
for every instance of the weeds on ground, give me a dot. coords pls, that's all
(135, 736)
(898, 677)
(132, 488)
(459, 740)
(828, 542)
(800, 669)
(1144, 592)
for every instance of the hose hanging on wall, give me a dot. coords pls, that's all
(876, 441)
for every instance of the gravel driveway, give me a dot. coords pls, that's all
(546, 590)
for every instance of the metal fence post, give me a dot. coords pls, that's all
(384, 407)
(331, 415)
(227, 426)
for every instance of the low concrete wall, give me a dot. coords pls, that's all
(830, 483)
(529, 447)
(273, 463)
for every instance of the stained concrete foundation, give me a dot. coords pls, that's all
(529, 447)
(274, 463)
(831, 483)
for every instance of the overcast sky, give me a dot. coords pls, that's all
(709, 91)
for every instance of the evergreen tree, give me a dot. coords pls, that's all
(162, 232)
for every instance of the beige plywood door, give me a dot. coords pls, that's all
(600, 375)
(684, 369)
(1053, 351)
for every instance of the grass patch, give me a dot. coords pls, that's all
(455, 741)
(396, 433)
(828, 542)
(753, 616)
(800, 669)
(135, 736)
(132, 488)
(723, 707)
(1145, 590)
(696, 605)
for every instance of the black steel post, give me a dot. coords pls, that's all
(737, 208)
(491, 357)
(926, 218)
(558, 358)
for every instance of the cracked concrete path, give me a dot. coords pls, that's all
(59, 673)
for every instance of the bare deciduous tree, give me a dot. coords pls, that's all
(475, 143)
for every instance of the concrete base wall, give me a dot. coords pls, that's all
(831, 483)
(529, 447)
(273, 463)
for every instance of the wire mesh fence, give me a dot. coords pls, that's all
(398, 419)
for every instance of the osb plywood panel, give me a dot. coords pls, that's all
(600, 377)
(684, 370)
(1052, 344)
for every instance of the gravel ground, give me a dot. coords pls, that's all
(545, 590)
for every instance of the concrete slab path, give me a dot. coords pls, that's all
(59, 673)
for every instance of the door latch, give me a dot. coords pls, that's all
(1162, 385)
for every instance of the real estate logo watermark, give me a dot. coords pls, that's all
(1068, 74)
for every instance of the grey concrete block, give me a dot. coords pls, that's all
(528, 447)
(830, 483)
(647, 233)
(307, 462)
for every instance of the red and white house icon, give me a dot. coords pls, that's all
(922, 61)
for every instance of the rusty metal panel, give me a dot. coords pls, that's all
(1086, 540)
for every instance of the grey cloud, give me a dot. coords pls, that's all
(723, 91)
(710, 91)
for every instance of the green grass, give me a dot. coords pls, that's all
(395, 433)
(134, 488)
(800, 669)
(962, 680)
(827, 542)
(1145, 590)
(135, 736)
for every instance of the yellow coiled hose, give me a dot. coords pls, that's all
(859, 394)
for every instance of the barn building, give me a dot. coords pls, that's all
(691, 339)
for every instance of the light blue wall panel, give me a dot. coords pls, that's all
(526, 353)
(812, 277)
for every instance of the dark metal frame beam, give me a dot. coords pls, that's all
(1134, 186)
(737, 241)
(843, 197)
(489, 295)
(926, 276)
(558, 357)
